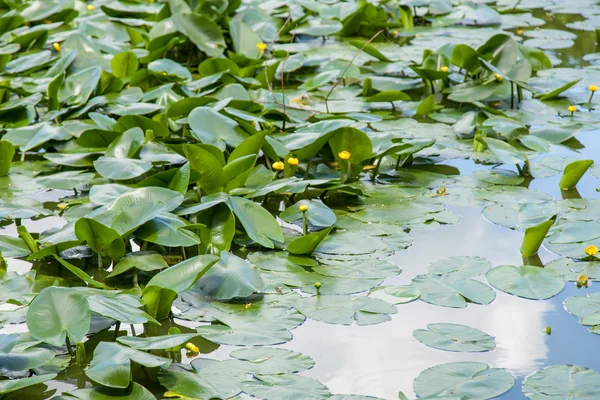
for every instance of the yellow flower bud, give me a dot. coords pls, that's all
(304, 208)
(444, 69)
(91, 7)
(520, 31)
(278, 166)
(344, 155)
(164, 74)
(261, 48)
(62, 206)
(582, 281)
(317, 285)
(192, 347)
(572, 109)
(593, 88)
(591, 250)
(498, 77)
(293, 161)
(56, 46)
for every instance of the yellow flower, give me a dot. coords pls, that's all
(591, 250)
(62, 206)
(303, 100)
(261, 48)
(572, 109)
(164, 74)
(444, 69)
(395, 33)
(593, 88)
(278, 166)
(192, 347)
(498, 77)
(91, 7)
(441, 191)
(293, 161)
(344, 155)
(304, 208)
(520, 31)
(317, 285)
(582, 281)
(56, 46)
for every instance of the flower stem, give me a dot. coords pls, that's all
(349, 171)
(304, 224)
(591, 97)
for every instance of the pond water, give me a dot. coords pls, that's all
(382, 359)
(385, 358)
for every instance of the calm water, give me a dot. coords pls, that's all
(381, 360)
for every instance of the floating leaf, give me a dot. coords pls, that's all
(472, 380)
(454, 337)
(342, 310)
(449, 291)
(562, 382)
(526, 281)
(460, 266)
(275, 387)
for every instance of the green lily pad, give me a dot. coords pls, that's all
(465, 379)
(111, 365)
(343, 310)
(587, 308)
(396, 294)
(274, 387)
(571, 269)
(562, 381)
(454, 337)
(57, 313)
(526, 281)
(270, 360)
(460, 266)
(455, 292)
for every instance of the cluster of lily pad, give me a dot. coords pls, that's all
(244, 168)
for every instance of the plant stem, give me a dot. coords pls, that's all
(99, 260)
(512, 95)
(376, 169)
(132, 329)
(591, 97)
(307, 172)
(117, 327)
(68, 343)
(348, 66)
(349, 171)
(304, 224)
(519, 169)
(27, 238)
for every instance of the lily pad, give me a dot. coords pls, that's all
(472, 380)
(451, 291)
(454, 337)
(526, 281)
(562, 381)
